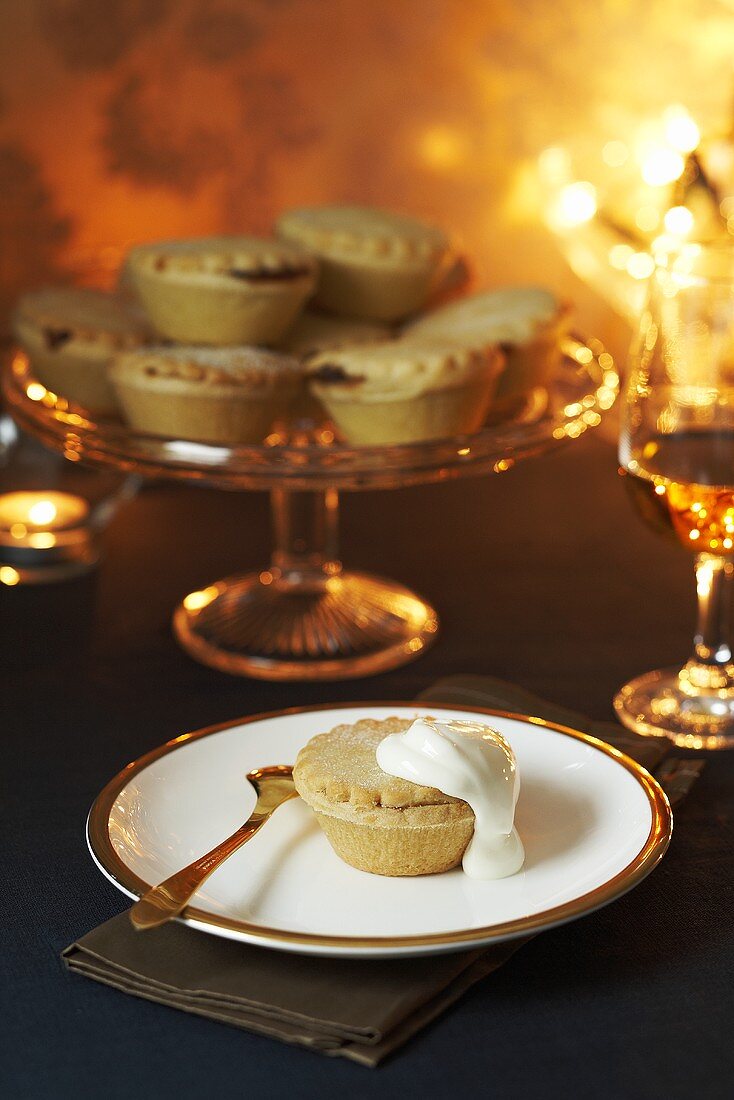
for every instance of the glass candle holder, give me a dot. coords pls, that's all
(52, 511)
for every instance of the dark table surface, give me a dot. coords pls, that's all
(542, 576)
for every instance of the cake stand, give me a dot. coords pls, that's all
(304, 616)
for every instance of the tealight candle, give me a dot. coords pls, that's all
(27, 513)
(52, 513)
(44, 535)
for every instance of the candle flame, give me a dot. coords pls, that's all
(42, 513)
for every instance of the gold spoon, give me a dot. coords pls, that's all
(274, 786)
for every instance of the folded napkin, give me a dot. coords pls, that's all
(362, 1009)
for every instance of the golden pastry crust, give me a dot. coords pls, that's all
(71, 333)
(367, 233)
(527, 323)
(206, 369)
(55, 317)
(243, 259)
(512, 315)
(337, 772)
(397, 368)
(226, 291)
(397, 392)
(413, 850)
(316, 332)
(374, 821)
(207, 395)
(373, 264)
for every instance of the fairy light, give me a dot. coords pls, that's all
(653, 188)
(647, 219)
(661, 165)
(576, 204)
(681, 130)
(619, 256)
(615, 154)
(678, 221)
(441, 147)
(555, 163)
(640, 265)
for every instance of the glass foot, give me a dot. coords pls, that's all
(272, 628)
(666, 703)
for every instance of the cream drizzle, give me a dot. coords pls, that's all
(474, 762)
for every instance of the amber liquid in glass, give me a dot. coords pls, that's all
(682, 485)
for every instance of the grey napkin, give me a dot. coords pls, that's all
(356, 1008)
(353, 1008)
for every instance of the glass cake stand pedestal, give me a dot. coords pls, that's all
(304, 616)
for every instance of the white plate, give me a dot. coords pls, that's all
(593, 822)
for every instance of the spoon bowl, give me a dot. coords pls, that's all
(274, 786)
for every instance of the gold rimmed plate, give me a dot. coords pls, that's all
(593, 822)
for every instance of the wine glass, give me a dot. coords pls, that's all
(677, 455)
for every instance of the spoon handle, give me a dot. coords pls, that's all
(165, 901)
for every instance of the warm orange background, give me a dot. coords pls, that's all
(123, 120)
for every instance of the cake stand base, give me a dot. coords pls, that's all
(303, 628)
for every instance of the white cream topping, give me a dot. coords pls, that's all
(473, 762)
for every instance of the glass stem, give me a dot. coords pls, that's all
(711, 666)
(305, 529)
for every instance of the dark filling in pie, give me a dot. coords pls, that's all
(334, 375)
(56, 337)
(267, 275)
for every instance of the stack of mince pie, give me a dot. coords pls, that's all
(346, 313)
